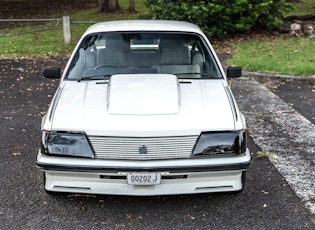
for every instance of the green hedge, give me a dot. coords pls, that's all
(220, 17)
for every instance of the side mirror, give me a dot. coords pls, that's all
(233, 72)
(52, 73)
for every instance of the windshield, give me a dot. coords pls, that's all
(101, 55)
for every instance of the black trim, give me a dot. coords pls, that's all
(78, 144)
(221, 143)
(188, 169)
(232, 102)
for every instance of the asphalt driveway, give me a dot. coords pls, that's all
(267, 202)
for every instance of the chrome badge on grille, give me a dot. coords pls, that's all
(143, 149)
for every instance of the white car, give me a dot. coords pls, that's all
(143, 108)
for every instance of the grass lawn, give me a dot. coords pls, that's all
(294, 56)
(286, 55)
(302, 7)
(51, 42)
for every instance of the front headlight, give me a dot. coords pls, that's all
(66, 144)
(221, 143)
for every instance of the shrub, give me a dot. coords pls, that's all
(220, 17)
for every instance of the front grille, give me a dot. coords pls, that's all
(143, 148)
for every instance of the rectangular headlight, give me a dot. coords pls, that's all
(66, 144)
(221, 143)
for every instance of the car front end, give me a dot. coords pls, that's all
(148, 121)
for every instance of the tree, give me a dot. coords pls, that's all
(113, 5)
(131, 5)
(108, 5)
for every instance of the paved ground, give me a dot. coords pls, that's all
(283, 132)
(268, 202)
(299, 95)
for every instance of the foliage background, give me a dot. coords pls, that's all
(220, 17)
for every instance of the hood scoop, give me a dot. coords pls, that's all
(143, 94)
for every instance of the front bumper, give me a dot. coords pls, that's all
(109, 176)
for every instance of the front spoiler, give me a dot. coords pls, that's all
(192, 183)
(48, 163)
(187, 176)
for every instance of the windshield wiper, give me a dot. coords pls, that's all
(202, 75)
(88, 78)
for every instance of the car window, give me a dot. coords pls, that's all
(101, 55)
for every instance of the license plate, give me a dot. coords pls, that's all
(144, 178)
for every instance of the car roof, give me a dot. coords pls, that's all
(144, 25)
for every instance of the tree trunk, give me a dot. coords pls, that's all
(103, 5)
(131, 5)
(108, 5)
(112, 5)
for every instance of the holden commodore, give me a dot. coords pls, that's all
(143, 108)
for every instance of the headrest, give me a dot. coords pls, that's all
(116, 41)
(176, 55)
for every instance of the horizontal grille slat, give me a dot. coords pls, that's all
(143, 148)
